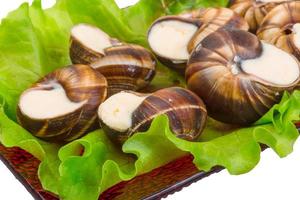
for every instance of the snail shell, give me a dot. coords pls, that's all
(213, 19)
(88, 43)
(62, 106)
(168, 38)
(186, 112)
(126, 67)
(238, 77)
(281, 27)
(173, 38)
(254, 11)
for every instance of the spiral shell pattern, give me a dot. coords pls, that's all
(81, 83)
(126, 67)
(213, 19)
(186, 112)
(231, 98)
(277, 27)
(253, 11)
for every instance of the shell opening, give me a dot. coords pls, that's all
(116, 112)
(170, 38)
(236, 66)
(47, 103)
(91, 37)
(274, 66)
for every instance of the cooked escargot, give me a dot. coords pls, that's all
(62, 106)
(88, 43)
(281, 27)
(239, 77)
(173, 38)
(254, 11)
(213, 19)
(126, 113)
(125, 66)
(169, 37)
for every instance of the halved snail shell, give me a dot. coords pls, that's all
(62, 106)
(126, 67)
(88, 43)
(173, 38)
(169, 36)
(213, 19)
(254, 11)
(239, 77)
(281, 27)
(186, 112)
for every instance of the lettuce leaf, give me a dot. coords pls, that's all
(175, 7)
(34, 42)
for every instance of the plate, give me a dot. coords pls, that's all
(156, 184)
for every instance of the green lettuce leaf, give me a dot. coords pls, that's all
(103, 164)
(13, 135)
(175, 7)
(34, 42)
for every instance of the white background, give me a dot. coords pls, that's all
(273, 178)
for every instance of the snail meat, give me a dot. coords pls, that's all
(88, 43)
(169, 37)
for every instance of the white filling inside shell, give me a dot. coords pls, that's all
(274, 65)
(170, 38)
(296, 31)
(91, 37)
(47, 104)
(116, 111)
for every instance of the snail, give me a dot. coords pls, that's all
(239, 77)
(186, 112)
(213, 19)
(281, 27)
(125, 66)
(88, 44)
(254, 11)
(62, 106)
(169, 36)
(173, 38)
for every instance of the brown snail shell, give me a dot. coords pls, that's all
(238, 77)
(168, 38)
(126, 67)
(204, 21)
(77, 91)
(186, 112)
(254, 11)
(278, 27)
(213, 19)
(88, 43)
